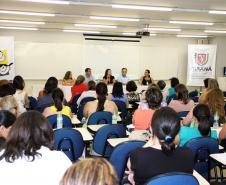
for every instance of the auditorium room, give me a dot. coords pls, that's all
(112, 92)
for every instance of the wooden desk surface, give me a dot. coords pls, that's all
(85, 134)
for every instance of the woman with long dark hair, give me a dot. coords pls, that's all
(202, 125)
(108, 78)
(58, 99)
(20, 95)
(45, 96)
(146, 79)
(182, 102)
(118, 94)
(160, 155)
(101, 104)
(28, 157)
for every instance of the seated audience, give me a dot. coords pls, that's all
(91, 171)
(118, 94)
(27, 157)
(68, 79)
(146, 79)
(161, 84)
(182, 101)
(79, 87)
(90, 93)
(7, 100)
(58, 98)
(45, 96)
(142, 116)
(6, 121)
(108, 78)
(20, 95)
(202, 126)
(215, 101)
(173, 83)
(132, 96)
(212, 84)
(123, 78)
(160, 155)
(101, 104)
(88, 75)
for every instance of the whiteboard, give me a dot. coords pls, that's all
(161, 61)
(36, 60)
(112, 55)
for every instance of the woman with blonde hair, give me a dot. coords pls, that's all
(215, 101)
(212, 84)
(90, 171)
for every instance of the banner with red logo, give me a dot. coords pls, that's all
(201, 63)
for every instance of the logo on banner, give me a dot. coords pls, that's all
(4, 66)
(201, 58)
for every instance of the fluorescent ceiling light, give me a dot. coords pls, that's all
(95, 26)
(81, 31)
(192, 36)
(26, 13)
(217, 12)
(129, 33)
(164, 29)
(21, 22)
(191, 23)
(47, 1)
(18, 28)
(114, 18)
(137, 7)
(215, 31)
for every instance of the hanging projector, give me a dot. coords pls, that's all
(143, 33)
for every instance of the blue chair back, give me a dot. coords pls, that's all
(101, 117)
(121, 108)
(195, 99)
(33, 102)
(120, 155)
(100, 143)
(74, 105)
(202, 147)
(82, 105)
(69, 141)
(174, 178)
(183, 113)
(66, 121)
(193, 93)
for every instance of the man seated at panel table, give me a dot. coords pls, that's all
(123, 78)
(88, 75)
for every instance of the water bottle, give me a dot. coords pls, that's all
(216, 121)
(114, 118)
(83, 121)
(59, 120)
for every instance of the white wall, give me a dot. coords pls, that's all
(176, 47)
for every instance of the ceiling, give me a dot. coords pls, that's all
(79, 11)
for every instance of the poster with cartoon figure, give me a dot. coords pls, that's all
(7, 69)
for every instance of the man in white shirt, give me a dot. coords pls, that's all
(88, 75)
(123, 78)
